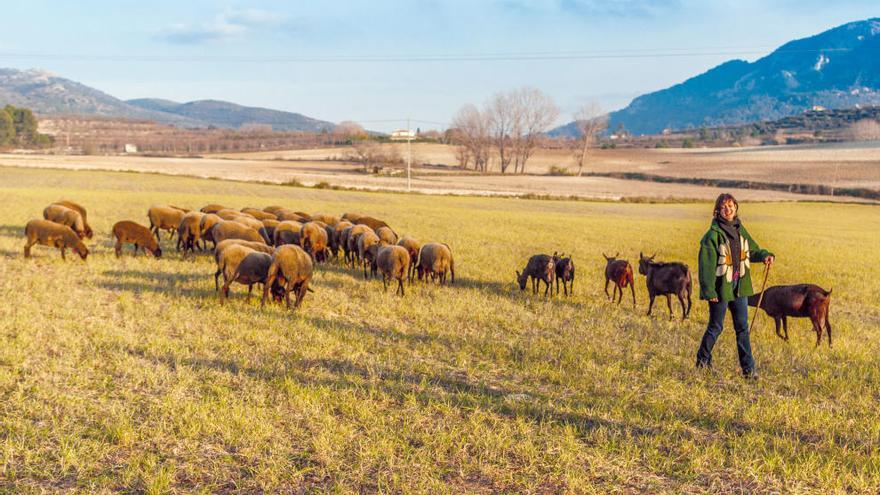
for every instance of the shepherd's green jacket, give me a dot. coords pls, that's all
(716, 265)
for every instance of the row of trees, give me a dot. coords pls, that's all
(510, 126)
(18, 127)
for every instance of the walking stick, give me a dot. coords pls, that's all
(760, 298)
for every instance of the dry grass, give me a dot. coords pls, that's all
(128, 376)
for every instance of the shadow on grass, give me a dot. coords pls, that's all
(12, 231)
(158, 282)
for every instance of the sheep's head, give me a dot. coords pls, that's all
(81, 249)
(157, 252)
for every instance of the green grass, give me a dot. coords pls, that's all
(126, 375)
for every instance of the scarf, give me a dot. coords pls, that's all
(731, 230)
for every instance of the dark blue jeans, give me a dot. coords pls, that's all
(739, 310)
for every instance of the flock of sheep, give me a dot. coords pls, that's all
(276, 247)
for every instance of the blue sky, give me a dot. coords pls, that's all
(373, 61)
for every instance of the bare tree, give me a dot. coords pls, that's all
(348, 130)
(590, 121)
(533, 113)
(471, 131)
(501, 118)
(864, 130)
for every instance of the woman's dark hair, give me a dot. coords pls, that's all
(723, 198)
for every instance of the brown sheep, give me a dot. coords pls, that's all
(273, 209)
(212, 208)
(53, 234)
(82, 211)
(334, 240)
(540, 267)
(386, 235)
(164, 218)
(189, 232)
(251, 268)
(393, 263)
(291, 269)
(364, 241)
(269, 224)
(285, 215)
(255, 224)
(229, 214)
(255, 246)
(206, 224)
(435, 259)
(287, 232)
(258, 214)
(327, 219)
(412, 247)
(128, 232)
(352, 242)
(352, 217)
(66, 216)
(235, 230)
(373, 223)
(313, 238)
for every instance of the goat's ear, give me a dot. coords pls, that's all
(616, 255)
(641, 255)
(605, 256)
(517, 273)
(652, 256)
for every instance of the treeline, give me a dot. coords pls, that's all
(18, 127)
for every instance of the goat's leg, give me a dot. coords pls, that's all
(785, 326)
(828, 329)
(778, 322)
(681, 301)
(610, 297)
(669, 305)
(548, 288)
(651, 303)
(632, 288)
(385, 282)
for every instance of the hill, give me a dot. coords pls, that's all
(838, 68)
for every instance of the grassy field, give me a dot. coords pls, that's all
(126, 375)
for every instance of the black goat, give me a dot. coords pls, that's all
(664, 279)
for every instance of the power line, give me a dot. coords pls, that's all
(477, 57)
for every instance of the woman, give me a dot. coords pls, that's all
(726, 282)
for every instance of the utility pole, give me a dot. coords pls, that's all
(408, 159)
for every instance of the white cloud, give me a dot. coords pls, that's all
(226, 25)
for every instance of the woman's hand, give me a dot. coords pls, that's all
(769, 260)
(713, 300)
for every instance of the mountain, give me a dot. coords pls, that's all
(838, 68)
(225, 114)
(48, 94)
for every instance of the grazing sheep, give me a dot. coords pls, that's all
(273, 209)
(328, 219)
(212, 208)
(164, 218)
(352, 217)
(665, 279)
(66, 216)
(251, 269)
(799, 301)
(621, 273)
(313, 238)
(82, 211)
(285, 215)
(235, 230)
(206, 224)
(258, 214)
(255, 246)
(386, 235)
(435, 259)
(539, 268)
(291, 269)
(128, 232)
(269, 224)
(344, 236)
(564, 271)
(229, 214)
(47, 233)
(305, 215)
(365, 240)
(334, 241)
(412, 246)
(393, 263)
(253, 223)
(352, 242)
(287, 232)
(189, 232)
(373, 223)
